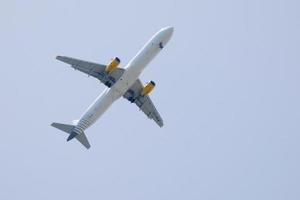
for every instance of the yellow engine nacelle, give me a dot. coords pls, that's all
(148, 88)
(112, 65)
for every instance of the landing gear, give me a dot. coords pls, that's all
(130, 95)
(131, 99)
(108, 84)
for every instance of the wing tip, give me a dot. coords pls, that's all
(59, 57)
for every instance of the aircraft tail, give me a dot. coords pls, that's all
(72, 134)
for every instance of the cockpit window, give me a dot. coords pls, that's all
(161, 45)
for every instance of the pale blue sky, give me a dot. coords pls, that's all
(227, 88)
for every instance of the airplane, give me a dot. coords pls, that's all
(120, 82)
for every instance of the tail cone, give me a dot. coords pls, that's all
(71, 136)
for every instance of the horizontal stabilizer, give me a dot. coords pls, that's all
(69, 129)
(83, 140)
(63, 127)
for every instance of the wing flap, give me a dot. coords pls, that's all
(149, 109)
(93, 69)
(84, 66)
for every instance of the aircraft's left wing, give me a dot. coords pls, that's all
(143, 102)
(93, 69)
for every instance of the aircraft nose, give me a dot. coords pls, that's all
(168, 30)
(166, 33)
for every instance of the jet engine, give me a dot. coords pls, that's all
(112, 65)
(148, 88)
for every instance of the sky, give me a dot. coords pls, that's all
(227, 87)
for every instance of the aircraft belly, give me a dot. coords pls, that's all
(143, 58)
(96, 109)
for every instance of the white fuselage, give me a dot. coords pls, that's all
(132, 72)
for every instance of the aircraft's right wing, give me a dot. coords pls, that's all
(143, 102)
(94, 69)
